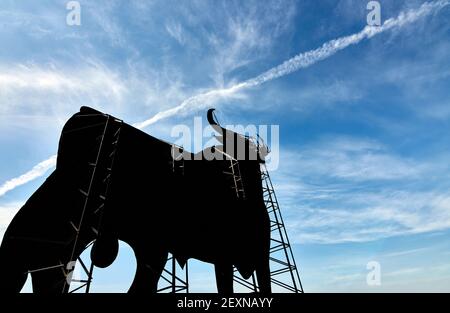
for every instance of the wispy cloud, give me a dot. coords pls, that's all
(296, 63)
(330, 48)
(300, 61)
(355, 160)
(7, 212)
(37, 171)
(24, 77)
(378, 216)
(111, 29)
(56, 87)
(405, 252)
(338, 279)
(355, 190)
(365, 216)
(402, 272)
(37, 25)
(59, 90)
(250, 31)
(175, 30)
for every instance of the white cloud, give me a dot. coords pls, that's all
(59, 91)
(352, 159)
(198, 102)
(405, 252)
(7, 213)
(175, 30)
(330, 93)
(37, 171)
(296, 63)
(346, 278)
(29, 91)
(104, 15)
(330, 48)
(364, 216)
(43, 89)
(438, 111)
(380, 216)
(354, 190)
(238, 33)
(36, 25)
(244, 41)
(52, 80)
(300, 61)
(403, 272)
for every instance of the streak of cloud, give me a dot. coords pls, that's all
(37, 171)
(300, 61)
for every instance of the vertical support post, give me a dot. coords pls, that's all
(174, 283)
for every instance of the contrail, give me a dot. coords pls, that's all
(34, 173)
(300, 61)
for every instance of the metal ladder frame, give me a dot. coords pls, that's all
(282, 242)
(172, 282)
(106, 180)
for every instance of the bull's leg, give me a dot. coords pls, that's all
(224, 278)
(263, 276)
(17, 257)
(263, 264)
(149, 268)
(51, 281)
(12, 268)
(13, 277)
(263, 270)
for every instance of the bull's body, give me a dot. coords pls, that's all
(192, 213)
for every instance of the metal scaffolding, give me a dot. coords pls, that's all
(94, 193)
(284, 273)
(95, 199)
(283, 269)
(173, 279)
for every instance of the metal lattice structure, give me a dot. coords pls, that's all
(283, 269)
(235, 173)
(281, 256)
(95, 197)
(95, 193)
(174, 279)
(284, 274)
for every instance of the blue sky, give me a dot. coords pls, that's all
(363, 173)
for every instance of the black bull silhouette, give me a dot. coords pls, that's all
(151, 207)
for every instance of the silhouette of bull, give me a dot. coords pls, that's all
(154, 208)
